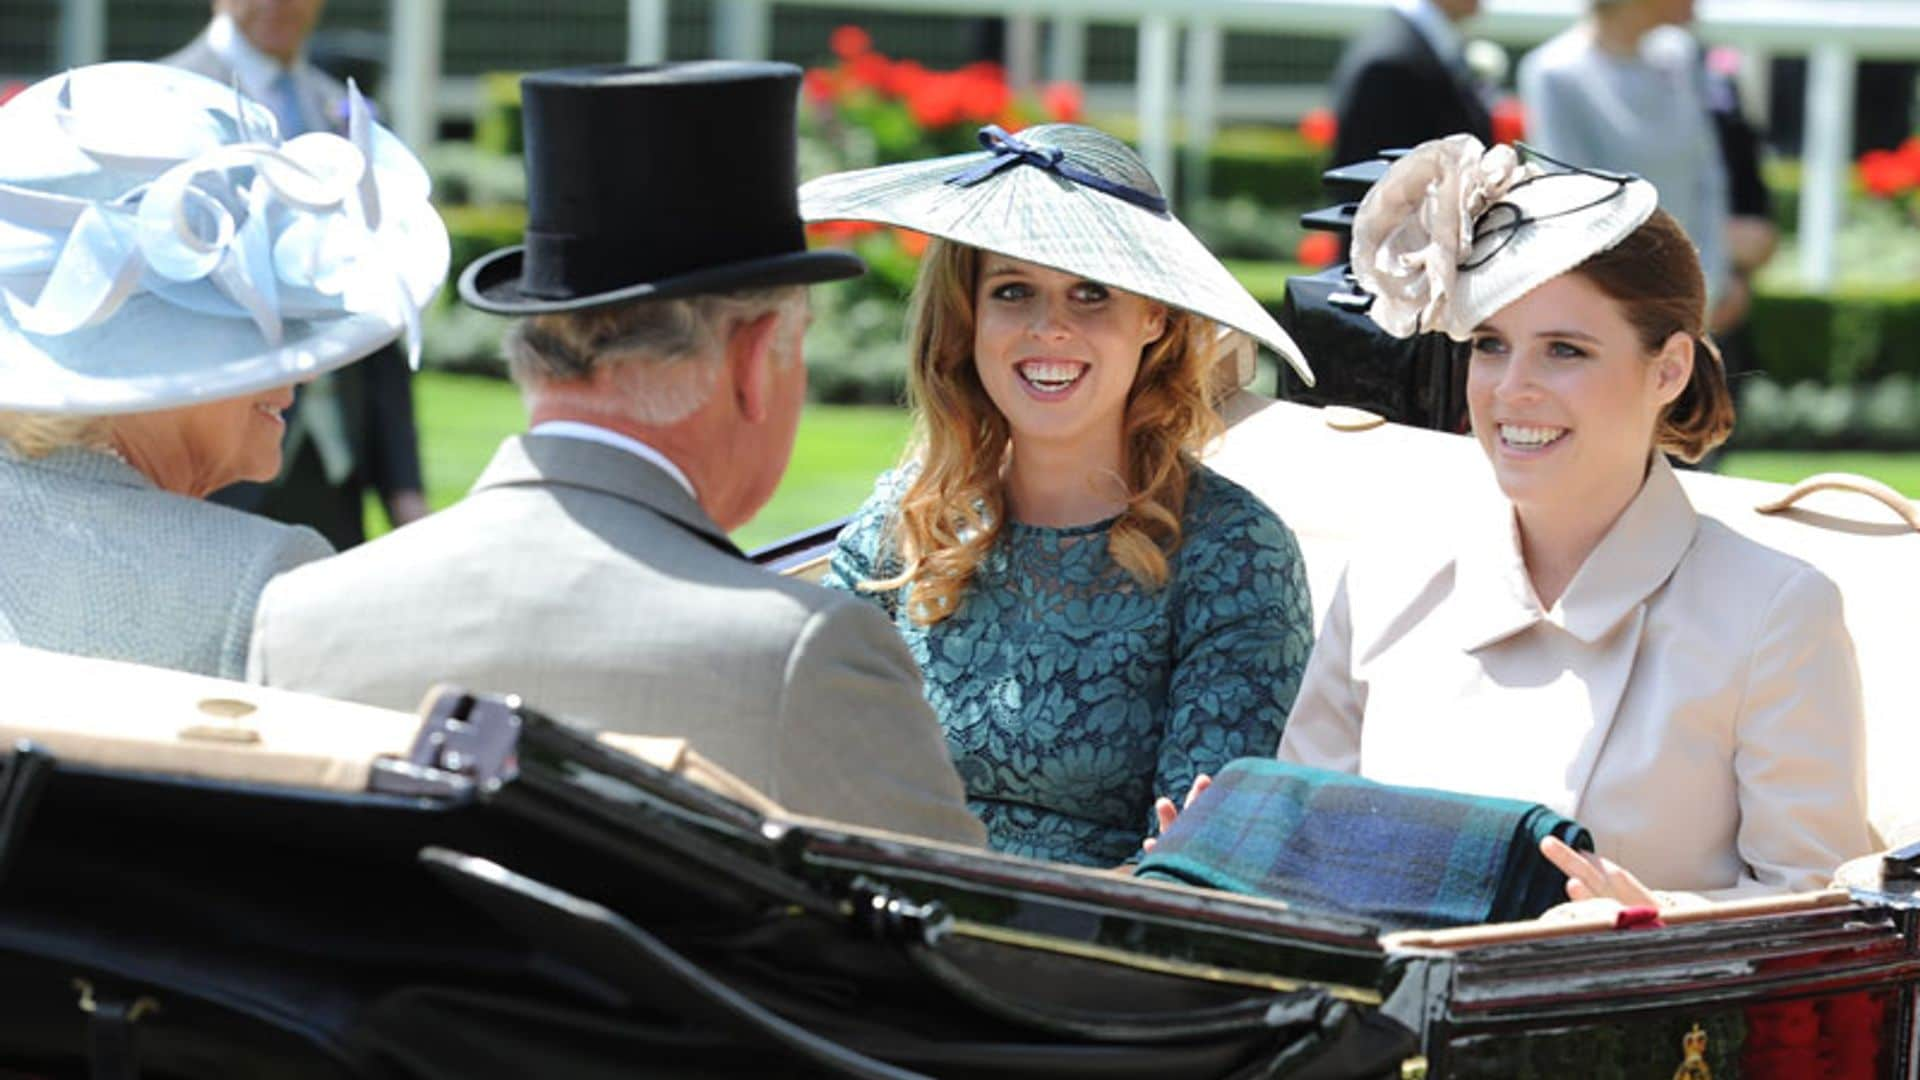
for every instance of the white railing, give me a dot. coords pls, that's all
(1834, 34)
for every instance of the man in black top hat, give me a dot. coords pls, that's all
(1406, 81)
(661, 296)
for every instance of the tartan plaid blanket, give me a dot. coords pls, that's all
(1406, 858)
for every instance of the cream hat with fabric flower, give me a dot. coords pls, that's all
(160, 245)
(1454, 232)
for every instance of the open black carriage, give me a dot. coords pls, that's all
(199, 878)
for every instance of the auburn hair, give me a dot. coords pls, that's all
(955, 506)
(1654, 275)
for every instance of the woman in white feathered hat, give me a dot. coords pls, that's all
(169, 268)
(1098, 616)
(1586, 640)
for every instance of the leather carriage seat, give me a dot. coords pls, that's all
(1341, 479)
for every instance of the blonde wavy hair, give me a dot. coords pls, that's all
(33, 435)
(954, 508)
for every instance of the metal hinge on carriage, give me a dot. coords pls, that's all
(468, 743)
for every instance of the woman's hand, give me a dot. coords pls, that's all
(1164, 810)
(1596, 877)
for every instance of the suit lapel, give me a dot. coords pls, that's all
(557, 460)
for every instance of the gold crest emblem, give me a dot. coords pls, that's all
(1693, 1066)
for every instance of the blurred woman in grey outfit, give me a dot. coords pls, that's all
(169, 268)
(1624, 90)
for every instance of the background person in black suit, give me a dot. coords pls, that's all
(1406, 81)
(352, 429)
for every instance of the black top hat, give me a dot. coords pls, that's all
(655, 182)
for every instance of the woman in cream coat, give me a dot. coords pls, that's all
(1590, 643)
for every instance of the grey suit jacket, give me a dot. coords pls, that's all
(590, 583)
(97, 561)
(321, 94)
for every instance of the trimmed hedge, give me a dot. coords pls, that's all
(1882, 415)
(476, 230)
(497, 126)
(1855, 334)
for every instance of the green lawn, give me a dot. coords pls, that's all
(842, 448)
(839, 451)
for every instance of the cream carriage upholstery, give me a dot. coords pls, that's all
(1342, 480)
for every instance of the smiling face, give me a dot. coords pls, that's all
(198, 449)
(1057, 353)
(1564, 398)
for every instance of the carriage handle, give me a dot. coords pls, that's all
(1859, 485)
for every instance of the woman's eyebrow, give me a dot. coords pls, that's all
(1580, 335)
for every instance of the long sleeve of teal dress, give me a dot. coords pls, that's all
(1071, 696)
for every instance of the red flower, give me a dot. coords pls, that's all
(848, 42)
(983, 93)
(1318, 249)
(870, 70)
(913, 243)
(905, 77)
(1509, 120)
(1909, 151)
(1064, 101)
(936, 102)
(819, 85)
(838, 233)
(1318, 128)
(1886, 173)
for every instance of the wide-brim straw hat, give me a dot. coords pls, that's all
(1064, 196)
(160, 245)
(1454, 231)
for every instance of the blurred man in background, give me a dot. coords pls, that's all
(1406, 81)
(353, 429)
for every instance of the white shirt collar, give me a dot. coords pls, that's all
(574, 429)
(255, 69)
(1433, 25)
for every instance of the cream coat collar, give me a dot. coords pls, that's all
(1634, 559)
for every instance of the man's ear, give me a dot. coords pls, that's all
(750, 360)
(1673, 367)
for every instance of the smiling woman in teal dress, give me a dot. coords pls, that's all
(1099, 617)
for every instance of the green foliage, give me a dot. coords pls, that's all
(1858, 332)
(497, 124)
(476, 230)
(463, 173)
(1270, 165)
(1267, 281)
(1882, 415)
(836, 456)
(1243, 227)
(1275, 166)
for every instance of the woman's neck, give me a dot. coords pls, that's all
(1557, 540)
(154, 451)
(1061, 485)
(1618, 28)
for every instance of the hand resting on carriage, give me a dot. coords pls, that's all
(1164, 811)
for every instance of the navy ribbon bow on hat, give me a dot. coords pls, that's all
(1009, 150)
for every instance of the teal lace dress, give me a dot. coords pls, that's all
(1071, 696)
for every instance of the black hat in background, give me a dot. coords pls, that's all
(655, 182)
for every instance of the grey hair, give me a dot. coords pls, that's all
(663, 356)
(39, 434)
